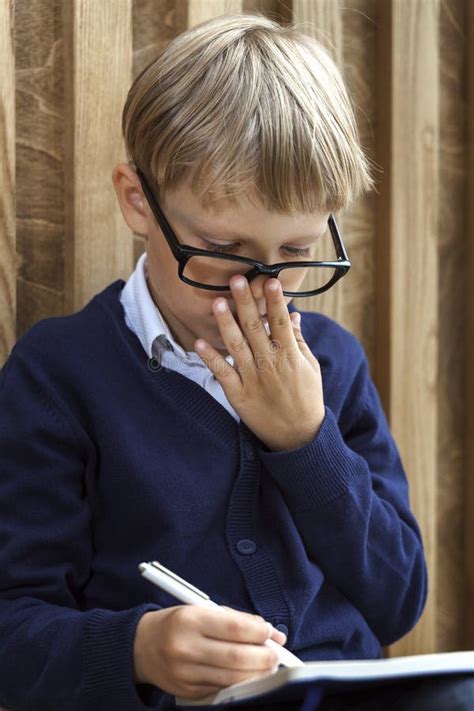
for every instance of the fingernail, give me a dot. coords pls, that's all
(270, 629)
(239, 282)
(221, 306)
(296, 319)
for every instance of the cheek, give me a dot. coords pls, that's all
(194, 305)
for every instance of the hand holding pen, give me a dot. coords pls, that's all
(195, 650)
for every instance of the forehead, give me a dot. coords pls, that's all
(247, 219)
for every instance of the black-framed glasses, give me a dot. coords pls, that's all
(212, 270)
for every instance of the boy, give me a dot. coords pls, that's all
(188, 416)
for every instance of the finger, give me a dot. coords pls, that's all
(278, 315)
(278, 637)
(234, 339)
(225, 374)
(250, 320)
(303, 346)
(241, 657)
(231, 625)
(215, 676)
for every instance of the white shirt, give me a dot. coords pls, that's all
(143, 317)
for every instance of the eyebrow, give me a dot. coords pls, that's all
(212, 234)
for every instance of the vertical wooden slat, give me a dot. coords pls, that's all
(155, 24)
(7, 183)
(469, 336)
(201, 10)
(451, 551)
(99, 245)
(39, 160)
(322, 20)
(359, 31)
(271, 8)
(408, 264)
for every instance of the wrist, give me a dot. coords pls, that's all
(298, 439)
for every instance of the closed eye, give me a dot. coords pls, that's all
(225, 249)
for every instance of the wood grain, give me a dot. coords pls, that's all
(99, 246)
(8, 266)
(359, 34)
(202, 10)
(154, 26)
(39, 160)
(469, 339)
(321, 19)
(408, 267)
(451, 403)
(273, 9)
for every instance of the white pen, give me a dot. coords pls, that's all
(187, 593)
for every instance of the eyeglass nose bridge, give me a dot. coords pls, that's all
(263, 269)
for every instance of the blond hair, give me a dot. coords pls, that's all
(244, 105)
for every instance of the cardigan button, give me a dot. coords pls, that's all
(246, 546)
(282, 628)
(154, 364)
(249, 450)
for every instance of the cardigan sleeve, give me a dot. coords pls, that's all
(348, 495)
(52, 654)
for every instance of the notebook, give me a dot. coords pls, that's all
(292, 682)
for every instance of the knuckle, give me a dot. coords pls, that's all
(237, 658)
(262, 628)
(237, 629)
(279, 320)
(270, 658)
(223, 371)
(187, 614)
(238, 344)
(253, 325)
(176, 649)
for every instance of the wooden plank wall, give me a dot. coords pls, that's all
(98, 69)
(407, 262)
(409, 296)
(468, 272)
(7, 181)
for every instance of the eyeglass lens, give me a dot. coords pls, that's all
(212, 271)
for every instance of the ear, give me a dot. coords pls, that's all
(131, 199)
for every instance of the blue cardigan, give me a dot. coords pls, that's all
(107, 461)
